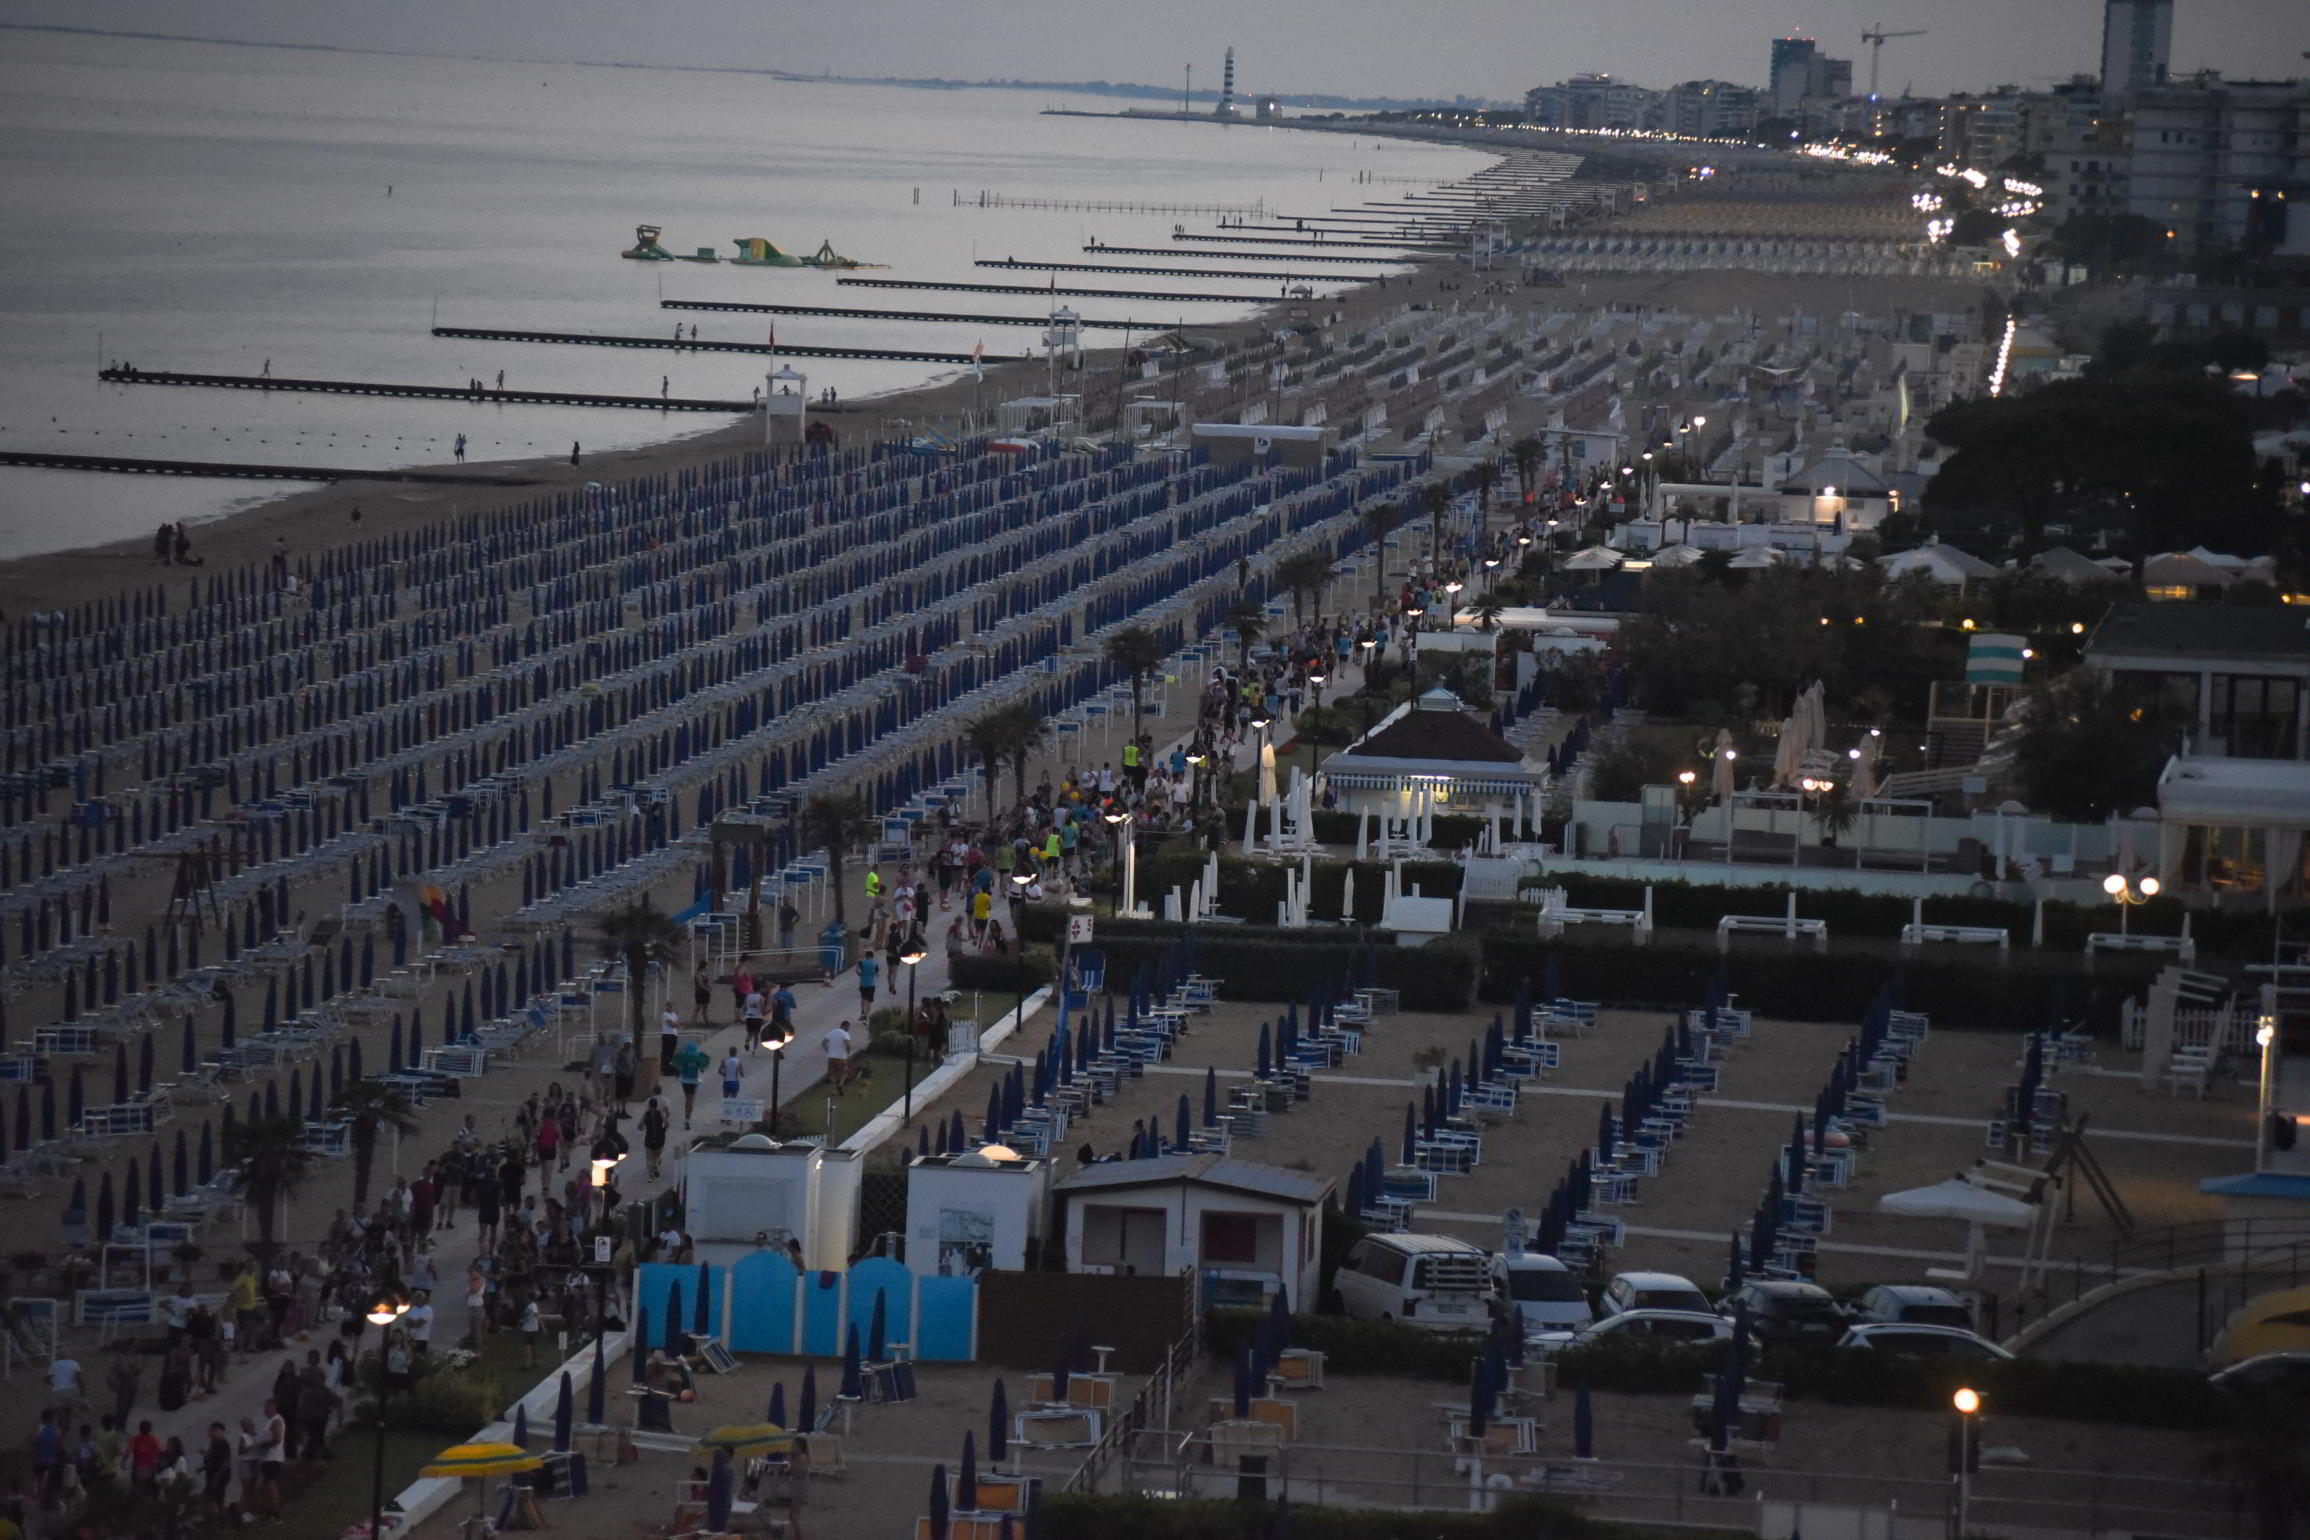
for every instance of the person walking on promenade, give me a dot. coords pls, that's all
(689, 1069)
(573, 452)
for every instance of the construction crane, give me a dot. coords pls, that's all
(1876, 41)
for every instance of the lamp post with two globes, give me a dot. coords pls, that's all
(2127, 894)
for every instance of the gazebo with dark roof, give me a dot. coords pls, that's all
(1436, 740)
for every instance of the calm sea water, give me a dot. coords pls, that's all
(212, 208)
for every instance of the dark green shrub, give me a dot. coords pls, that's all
(1021, 973)
(1256, 963)
(1074, 1516)
(2134, 1395)
(1354, 1347)
(1803, 985)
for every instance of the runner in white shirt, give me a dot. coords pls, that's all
(838, 1055)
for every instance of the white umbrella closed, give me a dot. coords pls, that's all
(1720, 774)
(1865, 768)
(1267, 791)
(1789, 753)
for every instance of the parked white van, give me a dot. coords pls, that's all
(1435, 1281)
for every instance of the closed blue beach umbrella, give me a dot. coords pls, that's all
(853, 1383)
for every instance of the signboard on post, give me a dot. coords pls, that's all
(1078, 929)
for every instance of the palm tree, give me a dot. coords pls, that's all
(1138, 652)
(1487, 611)
(273, 1162)
(1307, 573)
(1834, 813)
(1249, 619)
(640, 934)
(1435, 497)
(1028, 733)
(1378, 519)
(990, 740)
(1483, 476)
(835, 821)
(369, 1107)
(1527, 453)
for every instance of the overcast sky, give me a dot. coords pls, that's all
(1489, 48)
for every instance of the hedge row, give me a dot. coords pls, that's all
(1020, 973)
(1074, 1516)
(1440, 976)
(2012, 995)
(2032, 1387)
(2003, 992)
(1452, 830)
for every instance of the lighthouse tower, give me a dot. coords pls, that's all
(1227, 88)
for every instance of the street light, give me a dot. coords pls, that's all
(2127, 893)
(388, 1309)
(777, 1052)
(1968, 1451)
(911, 952)
(1116, 817)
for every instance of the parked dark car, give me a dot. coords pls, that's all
(1789, 1311)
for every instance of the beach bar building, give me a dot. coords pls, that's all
(1242, 1228)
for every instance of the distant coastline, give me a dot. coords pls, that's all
(1122, 88)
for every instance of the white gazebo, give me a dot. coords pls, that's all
(1433, 752)
(2234, 826)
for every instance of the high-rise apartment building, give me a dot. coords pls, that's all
(1801, 73)
(2223, 164)
(2137, 36)
(1792, 69)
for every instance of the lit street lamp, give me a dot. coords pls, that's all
(2127, 893)
(1116, 817)
(910, 952)
(1967, 1455)
(388, 1309)
(777, 1052)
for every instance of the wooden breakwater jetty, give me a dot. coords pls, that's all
(956, 317)
(262, 382)
(248, 471)
(1346, 240)
(1173, 272)
(988, 200)
(712, 345)
(1038, 288)
(1234, 256)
